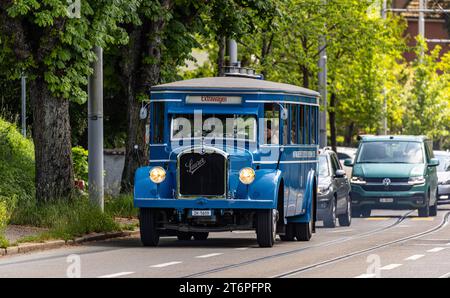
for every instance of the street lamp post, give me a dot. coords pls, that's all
(95, 131)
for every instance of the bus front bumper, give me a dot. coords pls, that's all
(395, 200)
(203, 203)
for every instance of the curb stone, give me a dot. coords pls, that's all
(30, 247)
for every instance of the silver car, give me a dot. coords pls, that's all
(443, 172)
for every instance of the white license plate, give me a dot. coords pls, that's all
(201, 213)
(386, 200)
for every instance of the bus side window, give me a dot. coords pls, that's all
(272, 124)
(302, 124)
(157, 123)
(307, 125)
(294, 124)
(286, 134)
(313, 125)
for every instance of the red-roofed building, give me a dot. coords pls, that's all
(437, 25)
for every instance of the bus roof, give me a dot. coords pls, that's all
(223, 84)
(371, 138)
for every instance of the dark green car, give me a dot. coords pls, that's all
(394, 172)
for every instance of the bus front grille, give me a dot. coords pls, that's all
(202, 175)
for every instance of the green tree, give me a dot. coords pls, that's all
(54, 49)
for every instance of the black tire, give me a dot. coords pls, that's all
(303, 231)
(266, 227)
(330, 219)
(366, 212)
(356, 212)
(290, 233)
(148, 227)
(434, 208)
(184, 236)
(425, 211)
(345, 220)
(200, 236)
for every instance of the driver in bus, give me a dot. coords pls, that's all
(272, 135)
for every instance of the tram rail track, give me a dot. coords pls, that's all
(282, 254)
(442, 225)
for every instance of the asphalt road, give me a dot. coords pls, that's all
(388, 244)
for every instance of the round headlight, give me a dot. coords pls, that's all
(247, 175)
(157, 175)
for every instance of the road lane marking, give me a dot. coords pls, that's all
(165, 264)
(423, 219)
(366, 275)
(376, 218)
(414, 257)
(209, 255)
(342, 231)
(391, 266)
(116, 275)
(436, 249)
(445, 275)
(241, 248)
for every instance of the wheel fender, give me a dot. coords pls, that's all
(307, 203)
(266, 185)
(145, 188)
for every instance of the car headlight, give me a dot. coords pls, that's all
(157, 175)
(247, 175)
(416, 180)
(358, 180)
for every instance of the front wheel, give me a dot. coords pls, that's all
(201, 236)
(425, 211)
(434, 208)
(290, 233)
(184, 236)
(303, 231)
(345, 220)
(330, 219)
(266, 224)
(148, 227)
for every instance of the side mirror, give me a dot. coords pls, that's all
(339, 174)
(143, 113)
(348, 162)
(434, 162)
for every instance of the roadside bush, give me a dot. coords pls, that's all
(4, 216)
(16, 165)
(80, 163)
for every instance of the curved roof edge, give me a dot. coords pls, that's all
(234, 83)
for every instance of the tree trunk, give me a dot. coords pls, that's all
(52, 142)
(349, 134)
(305, 73)
(332, 116)
(221, 59)
(140, 77)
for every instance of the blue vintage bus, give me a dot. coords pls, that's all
(227, 154)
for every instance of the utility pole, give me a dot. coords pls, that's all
(23, 81)
(385, 122)
(95, 131)
(323, 75)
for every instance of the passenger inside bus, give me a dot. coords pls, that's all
(272, 134)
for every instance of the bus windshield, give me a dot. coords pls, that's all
(391, 152)
(214, 126)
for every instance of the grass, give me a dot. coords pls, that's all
(121, 206)
(65, 219)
